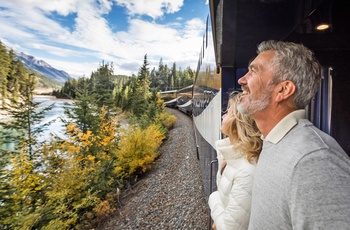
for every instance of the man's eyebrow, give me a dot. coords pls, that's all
(251, 66)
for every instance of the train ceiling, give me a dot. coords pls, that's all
(239, 25)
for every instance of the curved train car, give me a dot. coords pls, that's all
(169, 98)
(184, 99)
(235, 28)
(180, 99)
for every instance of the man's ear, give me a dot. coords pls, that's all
(285, 90)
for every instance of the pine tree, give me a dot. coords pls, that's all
(17, 80)
(140, 93)
(5, 63)
(102, 82)
(85, 108)
(143, 77)
(153, 78)
(173, 81)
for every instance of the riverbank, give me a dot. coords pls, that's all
(4, 116)
(54, 98)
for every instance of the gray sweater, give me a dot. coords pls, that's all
(301, 182)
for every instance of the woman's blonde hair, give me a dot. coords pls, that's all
(243, 133)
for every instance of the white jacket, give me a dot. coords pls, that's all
(230, 205)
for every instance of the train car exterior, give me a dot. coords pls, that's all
(169, 98)
(208, 96)
(235, 28)
(180, 99)
(184, 99)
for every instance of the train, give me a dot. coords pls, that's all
(234, 28)
(180, 99)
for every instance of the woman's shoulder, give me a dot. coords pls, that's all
(241, 163)
(222, 143)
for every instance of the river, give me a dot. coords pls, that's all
(54, 115)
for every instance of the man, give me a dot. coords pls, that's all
(302, 179)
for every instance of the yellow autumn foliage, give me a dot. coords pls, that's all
(78, 176)
(103, 210)
(138, 148)
(24, 179)
(166, 119)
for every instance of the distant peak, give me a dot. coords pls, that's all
(42, 67)
(42, 63)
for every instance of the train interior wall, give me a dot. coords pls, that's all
(340, 115)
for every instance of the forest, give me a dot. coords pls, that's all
(75, 182)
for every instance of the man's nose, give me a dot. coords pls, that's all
(242, 80)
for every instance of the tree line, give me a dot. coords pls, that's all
(74, 182)
(13, 75)
(161, 79)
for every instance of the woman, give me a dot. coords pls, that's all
(237, 155)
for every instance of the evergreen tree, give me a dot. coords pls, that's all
(102, 82)
(153, 78)
(120, 82)
(17, 80)
(173, 81)
(141, 92)
(143, 78)
(162, 82)
(69, 88)
(5, 64)
(85, 108)
(165, 77)
(189, 75)
(127, 94)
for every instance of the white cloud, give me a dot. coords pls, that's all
(28, 24)
(61, 7)
(152, 8)
(56, 51)
(79, 68)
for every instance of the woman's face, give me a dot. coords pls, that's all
(227, 120)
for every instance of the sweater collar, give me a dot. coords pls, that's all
(284, 126)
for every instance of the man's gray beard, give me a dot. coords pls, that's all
(254, 106)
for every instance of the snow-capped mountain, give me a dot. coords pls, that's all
(43, 68)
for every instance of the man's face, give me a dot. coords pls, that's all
(257, 92)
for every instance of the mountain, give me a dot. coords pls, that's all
(42, 67)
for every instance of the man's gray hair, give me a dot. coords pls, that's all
(298, 64)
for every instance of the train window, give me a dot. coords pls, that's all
(320, 109)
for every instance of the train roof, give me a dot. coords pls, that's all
(169, 91)
(240, 25)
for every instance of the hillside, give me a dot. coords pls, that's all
(47, 77)
(44, 84)
(43, 68)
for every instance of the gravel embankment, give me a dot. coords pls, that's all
(171, 195)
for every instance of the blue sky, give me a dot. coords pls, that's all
(77, 35)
